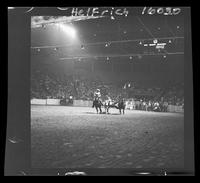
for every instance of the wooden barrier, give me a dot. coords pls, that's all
(174, 108)
(39, 101)
(53, 101)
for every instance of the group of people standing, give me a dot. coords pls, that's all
(147, 105)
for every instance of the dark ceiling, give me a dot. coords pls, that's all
(106, 30)
(117, 41)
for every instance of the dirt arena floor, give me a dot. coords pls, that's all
(77, 137)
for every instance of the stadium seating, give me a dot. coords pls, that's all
(45, 85)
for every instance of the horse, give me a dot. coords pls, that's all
(97, 104)
(118, 105)
(121, 106)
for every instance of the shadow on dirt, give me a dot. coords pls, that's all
(102, 113)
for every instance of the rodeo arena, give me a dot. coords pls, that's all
(107, 92)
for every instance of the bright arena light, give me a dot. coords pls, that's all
(69, 30)
(11, 8)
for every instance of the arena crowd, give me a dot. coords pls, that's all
(49, 85)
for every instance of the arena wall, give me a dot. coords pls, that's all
(84, 103)
(174, 108)
(53, 101)
(39, 101)
(77, 103)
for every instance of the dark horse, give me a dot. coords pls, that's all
(118, 105)
(97, 104)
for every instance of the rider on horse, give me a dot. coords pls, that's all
(97, 94)
(97, 103)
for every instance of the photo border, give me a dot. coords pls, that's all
(18, 155)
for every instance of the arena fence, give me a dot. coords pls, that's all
(39, 101)
(45, 101)
(174, 108)
(77, 103)
(84, 103)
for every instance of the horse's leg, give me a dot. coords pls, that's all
(105, 108)
(100, 109)
(123, 110)
(96, 109)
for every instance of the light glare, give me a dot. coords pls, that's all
(69, 30)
